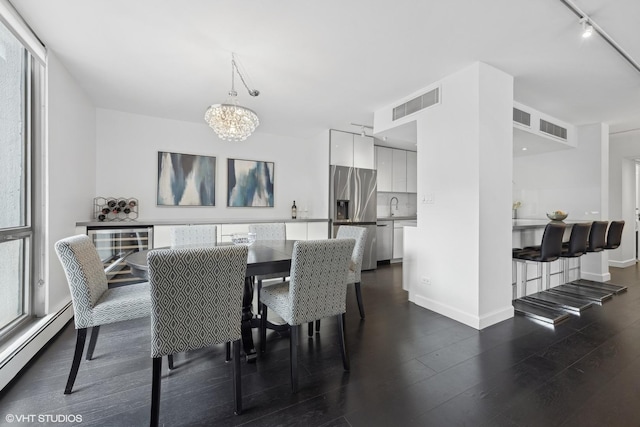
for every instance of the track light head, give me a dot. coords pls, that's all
(587, 29)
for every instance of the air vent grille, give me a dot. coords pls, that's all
(551, 129)
(521, 117)
(416, 104)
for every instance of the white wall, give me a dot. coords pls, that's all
(463, 240)
(71, 169)
(573, 180)
(624, 148)
(127, 147)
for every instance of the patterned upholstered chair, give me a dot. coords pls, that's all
(93, 303)
(355, 266)
(317, 289)
(210, 281)
(184, 235)
(269, 232)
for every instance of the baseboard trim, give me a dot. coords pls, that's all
(477, 322)
(622, 264)
(16, 357)
(596, 277)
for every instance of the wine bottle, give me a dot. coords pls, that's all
(106, 210)
(101, 217)
(127, 211)
(132, 203)
(111, 203)
(122, 203)
(294, 210)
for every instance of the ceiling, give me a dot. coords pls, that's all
(326, 64)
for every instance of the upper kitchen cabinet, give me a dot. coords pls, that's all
(397, 170)
(348, 149)
(363, 152)
(384, 165)
(412, 172)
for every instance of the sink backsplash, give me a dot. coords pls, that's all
(407, 204)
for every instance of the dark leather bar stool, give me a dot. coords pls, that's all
(549, 251)
(575, 248)
(597, 236)
(614, 235)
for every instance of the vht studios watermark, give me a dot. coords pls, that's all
(43, 418)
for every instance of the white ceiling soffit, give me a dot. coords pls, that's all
(404, 136)
(322, 65)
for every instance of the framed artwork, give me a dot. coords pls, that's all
(186, 180)
(249, 183)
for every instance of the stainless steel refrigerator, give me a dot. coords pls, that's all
(353, 201)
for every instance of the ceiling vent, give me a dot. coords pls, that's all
(416, 104)
(522, 117)
(553, 130)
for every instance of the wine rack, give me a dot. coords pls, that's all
(114, 245)
(115, 208)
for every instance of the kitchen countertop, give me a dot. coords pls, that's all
(148, 223)
(397, 218)
(523, 224)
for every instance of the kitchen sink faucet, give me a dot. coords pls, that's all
(391, 205)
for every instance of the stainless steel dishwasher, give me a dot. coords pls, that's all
(384, 235)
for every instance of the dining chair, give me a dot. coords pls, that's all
(276, 231)
(184, 235)
(94, 304)
(196, 302)
(354, 273)
(316, 289)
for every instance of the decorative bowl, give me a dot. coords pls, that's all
(243, 238)
(557, 215)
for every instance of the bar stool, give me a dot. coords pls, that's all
(549, 251)
(575, 248)
(614, 235)
(597, 236)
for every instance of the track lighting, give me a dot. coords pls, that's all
(587, 29)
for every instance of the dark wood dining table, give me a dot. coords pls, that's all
(265, 257)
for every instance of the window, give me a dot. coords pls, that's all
(16, 232)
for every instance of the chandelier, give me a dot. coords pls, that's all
(230, 121)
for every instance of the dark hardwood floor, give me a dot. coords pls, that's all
(409, 367)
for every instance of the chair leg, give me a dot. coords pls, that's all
(259, 288)
(359, 298)
(293, 351)
(318, 326)
(343, 342)
(263, 329)
(170, 360)
(227, 357)
(237, 378)
(155, 391)
(81, 337)
(92, 341)
(310, 327)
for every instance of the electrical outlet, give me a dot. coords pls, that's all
(425, 281)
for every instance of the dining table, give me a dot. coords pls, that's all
(264, 257)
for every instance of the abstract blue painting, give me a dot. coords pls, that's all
(186, 180)
(250, 183)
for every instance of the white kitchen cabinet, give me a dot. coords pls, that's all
(398, 240)
(399, 171)
(348, 149)
(412, 172)
(363, 152)
(317, 230)
(341, 148)
(384, 166)
(296, 230)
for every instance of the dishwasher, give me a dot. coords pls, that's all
(384, 236)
